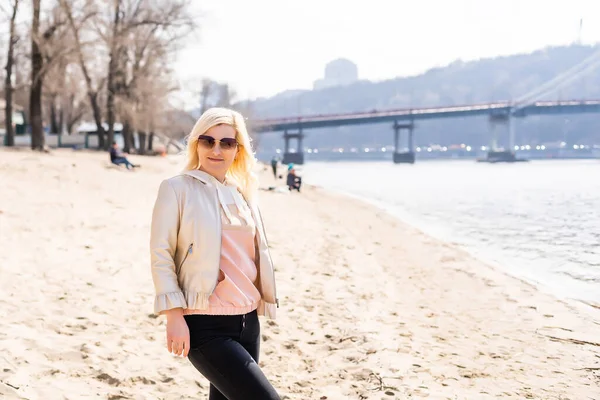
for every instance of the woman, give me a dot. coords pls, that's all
(211, 266)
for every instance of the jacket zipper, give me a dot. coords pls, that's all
(220, 229)
(187, 253)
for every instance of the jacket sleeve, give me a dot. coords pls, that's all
(163, 243)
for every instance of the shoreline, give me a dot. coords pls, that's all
(370, 308)
(589, 307)
(514, 290)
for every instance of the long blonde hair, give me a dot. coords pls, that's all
(241, 171)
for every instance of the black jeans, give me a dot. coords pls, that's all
(224, 348)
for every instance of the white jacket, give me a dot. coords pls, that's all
(185, 245)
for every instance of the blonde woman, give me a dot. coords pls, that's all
(211, 267)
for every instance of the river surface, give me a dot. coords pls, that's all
(539, 221)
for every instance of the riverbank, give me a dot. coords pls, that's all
(370, 307)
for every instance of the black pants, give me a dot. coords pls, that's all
(123, 160)
(224, 348)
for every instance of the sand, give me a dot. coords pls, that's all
(370, 307)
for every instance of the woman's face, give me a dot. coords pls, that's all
(217, 149)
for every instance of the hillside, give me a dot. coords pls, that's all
(501, 78)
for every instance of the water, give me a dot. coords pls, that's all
(540, 221)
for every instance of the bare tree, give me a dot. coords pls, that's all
(47, 48)
(112, 66)
(54, 90)
(215, 94)
(8, 86)
(143, 37)
(130, 36)
(153, 88)
(93, 91)
(35, 96)
(75, 109)
(21, 74)
(226, 95)
(135, 39)
(208, 90)
(65, 95)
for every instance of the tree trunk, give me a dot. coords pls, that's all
(71, 115)
(150, 141)
(70, 125)
(142, 145)
(10, 132)
(98, 119)
(35, 95)
(128, 143)
(8, 88)
(92, 94)
(112, 66)
(71, 121)
(53, 115)
(61, 119)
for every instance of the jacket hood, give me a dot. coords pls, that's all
(205, 177)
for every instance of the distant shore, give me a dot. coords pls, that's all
(370, 307)
(387, 157)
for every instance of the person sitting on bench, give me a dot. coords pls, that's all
(117, 157)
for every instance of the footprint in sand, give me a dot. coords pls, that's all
(289, 346)
(104, 377)
(115, 397)
(142, 379)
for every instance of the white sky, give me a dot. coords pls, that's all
(263, 47)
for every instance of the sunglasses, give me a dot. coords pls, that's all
(208, 142)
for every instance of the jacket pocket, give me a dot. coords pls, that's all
(187, 253)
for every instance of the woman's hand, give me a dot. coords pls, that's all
(178, 333)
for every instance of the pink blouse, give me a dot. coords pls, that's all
(236, 293)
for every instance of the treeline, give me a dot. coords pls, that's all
(101, 60)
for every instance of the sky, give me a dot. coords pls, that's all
(264, 47)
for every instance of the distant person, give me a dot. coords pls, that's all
(274, 162)
(293, 180)
(212, 272)
(117, 157)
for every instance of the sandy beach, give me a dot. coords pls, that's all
(371, 308)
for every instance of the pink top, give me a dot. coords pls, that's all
(236, 292)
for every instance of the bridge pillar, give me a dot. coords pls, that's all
(286, 138)
(511, 133)
(494, 153)
(493, 137)
(296, 157)
(403, 157)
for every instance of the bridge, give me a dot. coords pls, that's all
(414, 114)
(499, 113)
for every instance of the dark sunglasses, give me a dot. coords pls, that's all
(208, 142)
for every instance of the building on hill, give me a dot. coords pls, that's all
(338, 72)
